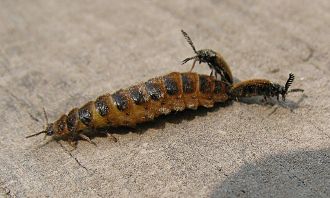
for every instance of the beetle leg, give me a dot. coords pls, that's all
(264, 100)
(86, 138)
(211, 72)
(112, 137)
(109, 135)
(193, 65)
(73, 143)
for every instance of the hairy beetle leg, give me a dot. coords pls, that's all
(193, 65)
(73, 143)
(112, 137)
(87, 139)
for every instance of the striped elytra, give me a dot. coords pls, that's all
(142, 102)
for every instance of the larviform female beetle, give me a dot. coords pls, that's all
(140, 103)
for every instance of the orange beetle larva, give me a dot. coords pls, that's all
(140, 103)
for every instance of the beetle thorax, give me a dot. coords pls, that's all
(205, 55)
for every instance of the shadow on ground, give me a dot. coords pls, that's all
(297, 174)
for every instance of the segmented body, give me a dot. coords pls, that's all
(262, 87)
(254, 87)
(143, 102)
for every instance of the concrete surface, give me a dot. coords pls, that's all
(60, 54)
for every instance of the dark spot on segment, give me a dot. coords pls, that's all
(72, 119)
(250, 90)
(61, 124)
(246, 89)
(187, 84)
(137, 95)
(101, 106)
(120, 100)
(240, 92)
(204, 84)
(170, 85)
(153, 90)
(50, 129)
(263, 90)
(85, 116)
(217, 87)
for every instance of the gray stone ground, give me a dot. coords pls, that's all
(60, 54)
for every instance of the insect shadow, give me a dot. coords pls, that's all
(288, 104)
(302, 173)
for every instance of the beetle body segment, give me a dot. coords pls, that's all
(254, 87)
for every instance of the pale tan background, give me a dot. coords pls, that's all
(60, 54)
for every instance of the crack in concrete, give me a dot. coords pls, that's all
(33, 117)
(22, 103)
(73, 157)
(6, 63)
(302, 181)
(5, 192)
(311, 52)
(318, 128)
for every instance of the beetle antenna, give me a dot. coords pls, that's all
(186, 36)
(45, 114)
(36, 134)
(188, 59)
(44, 131)
(296, 90)
(289, 82)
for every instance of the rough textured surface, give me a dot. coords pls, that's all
(60, 54)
